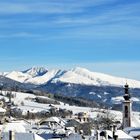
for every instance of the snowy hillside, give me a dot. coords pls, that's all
(120, 99)
(3, 73)
(84, 76)
(18, 76)
(78, 75)
(26, 102)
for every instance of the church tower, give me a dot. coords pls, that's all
(127, 104)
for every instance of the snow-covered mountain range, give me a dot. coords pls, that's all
(82, 76)
(78, 82)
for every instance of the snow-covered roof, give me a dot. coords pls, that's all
(16, 127)
(22, 136)
(133, 131)
(2, 110)
(60, 131)
(74, 137)
(50, 136)
(135, 121)
(37, 137)
(57, 120)
(121, 135)
(53, 119)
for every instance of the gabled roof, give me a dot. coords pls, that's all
(52, 119)
(133, 131)
(121, 135)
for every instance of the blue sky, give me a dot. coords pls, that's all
(101, 35)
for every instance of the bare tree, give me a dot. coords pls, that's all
(104, 120)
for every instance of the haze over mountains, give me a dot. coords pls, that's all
(82, 76)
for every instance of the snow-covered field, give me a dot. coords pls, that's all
(25, 102)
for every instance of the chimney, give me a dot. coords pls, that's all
(0, 135)
(11, 135)
(106, 136)
(115, 128)
(115, 137)
(103, 135)
(111, 128)
(97, 135)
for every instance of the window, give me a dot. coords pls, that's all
(126, 111)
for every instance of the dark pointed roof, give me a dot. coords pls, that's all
(127, 94)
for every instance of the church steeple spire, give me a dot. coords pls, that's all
(127, 94)
(126, 107)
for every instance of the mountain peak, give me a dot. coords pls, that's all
(78, 75)
(36, 71)
(80, 69)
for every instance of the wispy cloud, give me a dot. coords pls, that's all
(20, 35)
(61, 6)
(9, 8)
(86, 18)
(71, 31)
